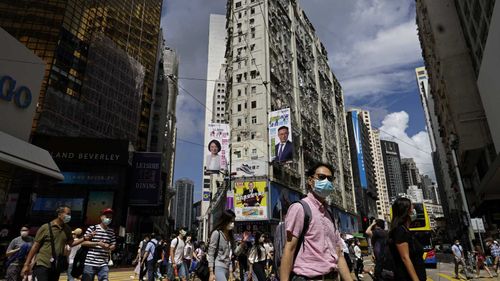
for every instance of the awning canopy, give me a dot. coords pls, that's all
(30, 157)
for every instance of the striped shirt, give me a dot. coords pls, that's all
(495, 250)
(98, 256)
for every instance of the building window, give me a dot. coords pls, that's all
(238, 78)
(252, 11)
(239, 15)
(252, 136)
(252, 47)
(239, 92)
(254, 119)
(254, 89)
(253, 61)
(252, 21)
(238, 4)
(239, 107)
(254, 151)
(253, 74)
(254, 104)
(237, 153)
(238, 138)
(239, 122)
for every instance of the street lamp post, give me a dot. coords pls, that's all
(453, 146)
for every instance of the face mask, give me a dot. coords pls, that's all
(67, 218)
(106, 221)
(413, 215)
(323, 188)
(24, 233)
(230, 226)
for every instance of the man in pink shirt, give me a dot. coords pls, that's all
(320, 255)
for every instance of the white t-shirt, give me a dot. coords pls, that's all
(269, 250)
(254, 257)
(178, 245)
(72, 252)
(188, 251)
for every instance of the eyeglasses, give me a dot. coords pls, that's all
(322, 177)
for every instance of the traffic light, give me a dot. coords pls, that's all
(364, 223)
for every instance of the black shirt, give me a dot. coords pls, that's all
(378, 241)
(402, 235)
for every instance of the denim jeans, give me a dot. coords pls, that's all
(70, 277)
(89, 272)
(150, 265)
(221, 273)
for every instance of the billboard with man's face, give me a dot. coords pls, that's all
(280, 136)
(250, 200)
(217, 150)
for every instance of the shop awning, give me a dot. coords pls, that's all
(30, 157)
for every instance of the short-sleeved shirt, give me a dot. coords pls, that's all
(17, 242)
(378, 241)
(151, 248)
(402, 235)
(257, 254)
(495, 250)
(97, 256)
(188, 251)
(179, 245)
(318, 255)
(62, 235)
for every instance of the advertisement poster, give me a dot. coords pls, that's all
(217, 149)
(359, 149)
(250, 200)
(281, 199)
(98, 200)
(146, 189)
(280, 136)
(249, 168)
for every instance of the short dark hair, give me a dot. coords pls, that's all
(380, 223)
(312, 171)
(217, 143)
(61, 208)
(283, 127)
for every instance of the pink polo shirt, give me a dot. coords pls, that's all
(318, 256)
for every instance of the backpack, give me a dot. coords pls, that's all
(387, 261)
(158, 252)
(280, 237)
(79, 260)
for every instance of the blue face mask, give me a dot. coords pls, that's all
(323, 188)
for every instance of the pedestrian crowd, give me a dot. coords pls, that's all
(307, 245)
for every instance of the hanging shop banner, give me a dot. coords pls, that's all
(217, 150)
(280, 136)
(250, 200)
(146, 188)
(249, 168)
(281, 199)
(359, 149)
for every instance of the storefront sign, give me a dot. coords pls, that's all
(250, 200)
(90, 178)
(21, 96)
(146, 189)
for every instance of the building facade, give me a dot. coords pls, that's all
(182, 207)
(383, 205)
(415, 194)
(100, 64)
(453, 59)
(392, 167)
(411, 175)
(276, 63)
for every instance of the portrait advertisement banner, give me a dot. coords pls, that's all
(146, 184)
(217, 149)
(281, 199)
(359, 149)
(250, 200)
(249, 168)
(280, 136)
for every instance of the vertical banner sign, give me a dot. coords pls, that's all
(146, 189)
(280, 136)
(250, 200)
(217, 150)
(359, 150)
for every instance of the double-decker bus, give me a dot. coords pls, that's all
(421, 227)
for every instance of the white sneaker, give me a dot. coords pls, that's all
(360, 275)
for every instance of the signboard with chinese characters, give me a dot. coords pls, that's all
(250, 200)
(217, 150)
(146, 189)
(280, 136)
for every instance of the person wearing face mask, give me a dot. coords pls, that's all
(220, 247)
(405, 249)
(58, 235)
(177, 246)
(313, 252)
(16, 254)
(102, 243)
(257, 259)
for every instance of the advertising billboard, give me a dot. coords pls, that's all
(146, 189)
(97, 201)
(359, 149)
(217, 150)
(249, 168)
(250, 200)
(281, 199)
(280, 136)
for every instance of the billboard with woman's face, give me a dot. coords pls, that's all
(217, 150)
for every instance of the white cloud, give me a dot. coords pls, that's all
(417, 146)
(190, 125)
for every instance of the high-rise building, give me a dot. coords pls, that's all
(100, 64)
(415, 194)
(275, 61)
(383, 205)
(392, 166)
(460, 42)
(410, 173)
(363, 168)
(182, 206)
(219, 104)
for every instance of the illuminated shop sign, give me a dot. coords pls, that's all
(20, 95)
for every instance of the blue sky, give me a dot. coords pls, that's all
(373, 50)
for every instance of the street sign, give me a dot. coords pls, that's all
(478, 225)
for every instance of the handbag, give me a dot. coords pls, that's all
(59, 263)
(110, 262)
